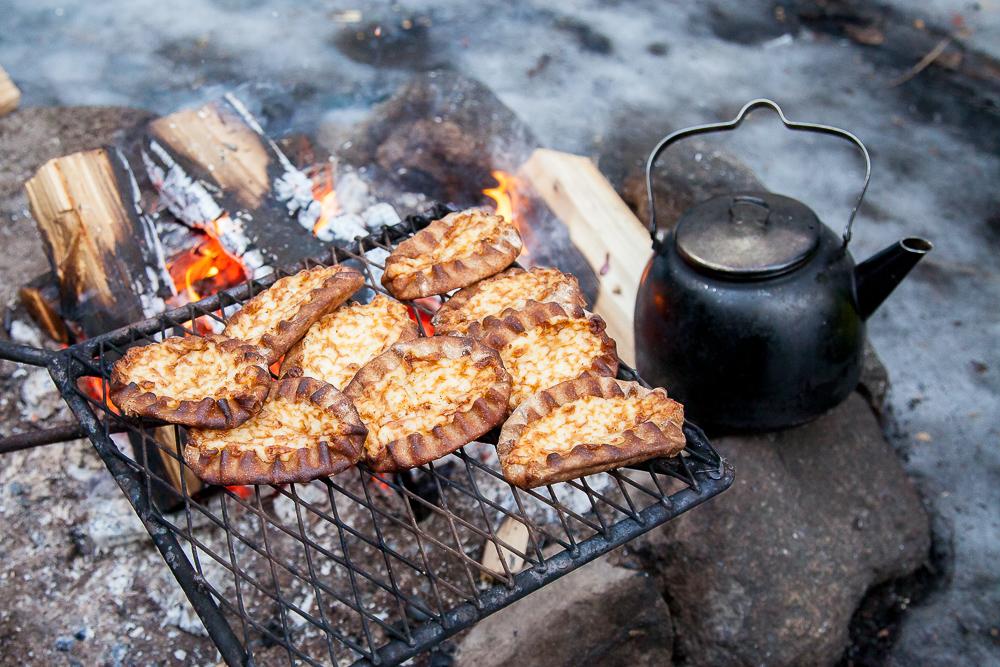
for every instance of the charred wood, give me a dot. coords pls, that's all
(215, 169)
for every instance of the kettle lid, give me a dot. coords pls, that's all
(748, 235)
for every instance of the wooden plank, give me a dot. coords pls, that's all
(512, 532)
(10, 95)
(604, 229)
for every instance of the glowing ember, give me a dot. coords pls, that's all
(97, 389)
(502, 194)
(204, 270)
(422, 318)
(326, 195)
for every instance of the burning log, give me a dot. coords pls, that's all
(216, 170)
(10, 96)
(106, 255)
(602, 227)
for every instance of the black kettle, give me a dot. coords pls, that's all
(752, 311)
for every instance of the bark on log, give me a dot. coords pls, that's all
(215, 169)
(10, 96)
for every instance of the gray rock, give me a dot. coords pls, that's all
(597, 615)
(771, 571)
(441, 134)
(874, 381)
(686, 174)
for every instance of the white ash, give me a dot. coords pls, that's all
(191, 202)
(376, 262)
(39, 397)
(112, 523)
(314, 494)
(294, 189)
(538, 512)
(353, 194)
(25, 334)
(344, 227)
(412, 202)
(177, 611)
(380, 215)
(186, 198)
(157, 274)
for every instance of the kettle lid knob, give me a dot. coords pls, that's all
(748, 235)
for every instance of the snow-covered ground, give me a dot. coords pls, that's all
(606, 79)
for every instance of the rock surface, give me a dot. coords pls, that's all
(598, 615)
(771, 571)
(441, 134)
(687, 173)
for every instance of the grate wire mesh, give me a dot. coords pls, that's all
(361, 567)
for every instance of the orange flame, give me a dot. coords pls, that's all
(501, 194)
(326, 195)
(205, 269)
(97, 388)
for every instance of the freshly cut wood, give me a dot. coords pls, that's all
(602, 227)
(215, 169)
(513, 532)
(107, 260)
(10, 95)
(98, 243)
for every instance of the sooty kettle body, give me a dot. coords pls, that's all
(752, 311)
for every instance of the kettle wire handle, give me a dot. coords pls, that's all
(732, 125)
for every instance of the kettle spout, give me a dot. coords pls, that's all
(878, 275)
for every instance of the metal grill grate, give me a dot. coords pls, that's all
(360, 567)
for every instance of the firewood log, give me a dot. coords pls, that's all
(10, 96)
(98, 243)
(107, 260)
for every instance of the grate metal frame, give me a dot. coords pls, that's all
(230, 550)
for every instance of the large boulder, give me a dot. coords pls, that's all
(772, 571)
(598, 615)
(441, 134)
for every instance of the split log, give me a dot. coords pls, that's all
(603, 228)
(215, 169)
(107, 260)
(10, 96)
(105, 254)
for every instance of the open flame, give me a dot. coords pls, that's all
(502, 194)
(205, 269)
(513, 206)
(326, 195)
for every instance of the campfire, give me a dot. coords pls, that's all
(207, 210)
